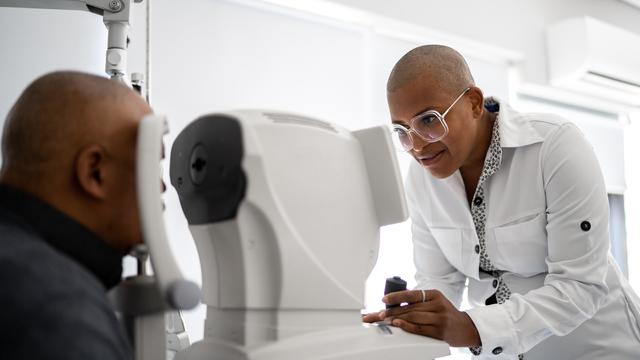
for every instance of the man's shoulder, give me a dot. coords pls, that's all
(49, 300)
(34, 267)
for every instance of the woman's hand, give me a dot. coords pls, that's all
(435, 317)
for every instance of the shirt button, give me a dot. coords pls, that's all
(477, 201)
(497, 351)
(477, 249)
(585, 226)
(495, 284)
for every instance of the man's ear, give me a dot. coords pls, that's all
(90, 171)
(477, 101)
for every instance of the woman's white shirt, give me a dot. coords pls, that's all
(547, 228)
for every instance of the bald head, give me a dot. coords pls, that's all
(70, 141)
(442, 66)
(57, 114)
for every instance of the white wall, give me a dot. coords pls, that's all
(514, 25)
(36, 41)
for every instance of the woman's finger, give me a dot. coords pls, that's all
(425, 330)
(373, 317)
(421, 318)
(411, 296)
(429, 306)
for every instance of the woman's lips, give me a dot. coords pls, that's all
(428, 161)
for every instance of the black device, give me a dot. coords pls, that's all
(394, 284)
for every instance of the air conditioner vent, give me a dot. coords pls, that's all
(605, 83)
(592, 57)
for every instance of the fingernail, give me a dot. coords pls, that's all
(396, 322)
(384, 299)
(382, 314)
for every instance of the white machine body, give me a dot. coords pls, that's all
(286, 212)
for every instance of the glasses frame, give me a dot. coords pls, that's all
(435, 113)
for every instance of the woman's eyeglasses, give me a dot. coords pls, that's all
(430, 126)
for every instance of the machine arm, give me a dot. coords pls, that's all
(55, 4)
(116, 15)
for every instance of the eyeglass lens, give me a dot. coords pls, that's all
(429, 126)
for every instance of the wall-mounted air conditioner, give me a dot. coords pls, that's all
(595, 58)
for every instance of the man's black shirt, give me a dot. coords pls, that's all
(54, 275)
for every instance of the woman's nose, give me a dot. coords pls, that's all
(418, 142)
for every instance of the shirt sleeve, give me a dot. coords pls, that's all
(577, 260)
(433, 270)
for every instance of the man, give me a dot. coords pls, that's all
(515, 204)
(68, 213)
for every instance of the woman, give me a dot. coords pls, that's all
(515, 204)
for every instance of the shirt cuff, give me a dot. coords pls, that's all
(496, 331)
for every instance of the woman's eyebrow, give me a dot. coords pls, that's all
(425, 110)
(400, 122)
(403, 123)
